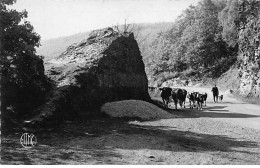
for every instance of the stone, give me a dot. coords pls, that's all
(105, 67)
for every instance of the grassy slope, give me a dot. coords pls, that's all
(54, 47)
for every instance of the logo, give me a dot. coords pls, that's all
(28, 140)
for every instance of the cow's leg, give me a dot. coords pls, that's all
(180, 103)
(163, 101)
(175, 103)
(190, 105)
(167, 103)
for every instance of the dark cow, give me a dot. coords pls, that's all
(179, 96)
(200, 98)
(192, 99)
(165, 94)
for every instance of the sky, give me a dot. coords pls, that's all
(57, 18)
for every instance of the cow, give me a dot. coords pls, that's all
(200, 98)
(179, 96)
(165, 94)
(192, 99)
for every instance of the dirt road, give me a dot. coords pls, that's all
(231, 110)
(222, 133)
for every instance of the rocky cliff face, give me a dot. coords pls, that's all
(249, 48)
(103, 68)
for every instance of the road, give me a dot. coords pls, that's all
(230, 110)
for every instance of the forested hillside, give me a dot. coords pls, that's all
(197, 45)
(206, 41)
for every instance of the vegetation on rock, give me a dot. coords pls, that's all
(249, 48)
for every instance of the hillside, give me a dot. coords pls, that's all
(146, 33)
(54, 47)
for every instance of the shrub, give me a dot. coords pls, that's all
(189, 72)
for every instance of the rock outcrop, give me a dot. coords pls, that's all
(249, 48)
(105, 67)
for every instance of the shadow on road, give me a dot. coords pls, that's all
(70, 144)
(55, 148)
(95, 141)
(216, 111)
(211, 112)
(178, 141)
(118, 133)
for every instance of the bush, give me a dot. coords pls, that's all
(189, 72)
(162, 77)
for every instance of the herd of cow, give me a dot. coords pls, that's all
(178, 95)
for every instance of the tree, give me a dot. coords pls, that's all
(23, 83)
(195, 42)
(229, 18)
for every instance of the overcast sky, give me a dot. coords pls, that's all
(56, 18)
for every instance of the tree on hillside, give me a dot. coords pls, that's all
(194, 44)
(229, 18)
(23, 82)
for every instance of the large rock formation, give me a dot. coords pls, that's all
(249, 48)
(103, 68)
